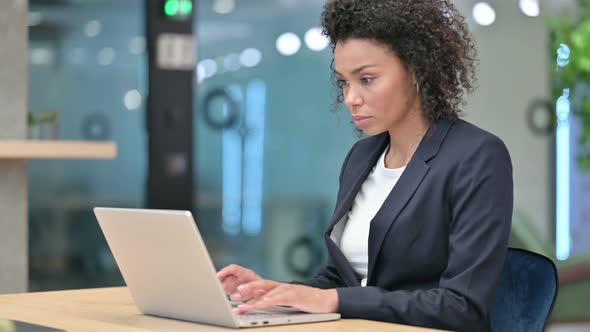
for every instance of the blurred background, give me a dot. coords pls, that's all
(265, 150)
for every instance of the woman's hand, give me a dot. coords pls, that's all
(232, 276)
(267, 293)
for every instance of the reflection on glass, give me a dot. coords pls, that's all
(254, 157)
(91, 71)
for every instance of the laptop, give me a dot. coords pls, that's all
(169, 272)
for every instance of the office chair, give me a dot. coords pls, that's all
(525, 294)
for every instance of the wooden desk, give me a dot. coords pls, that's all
(112, 309)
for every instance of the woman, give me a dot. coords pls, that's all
(423, 213)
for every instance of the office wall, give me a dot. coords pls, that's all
(13, 178)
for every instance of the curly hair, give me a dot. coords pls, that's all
(430, 37)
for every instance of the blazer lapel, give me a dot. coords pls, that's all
(362, 170)
(394, 203)
(404, 189)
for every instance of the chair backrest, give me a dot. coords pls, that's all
(525, 294)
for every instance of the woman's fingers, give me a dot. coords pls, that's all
(257, 302)
(230, 284)
(234, 275)
(253, 289)
(304, 298)
(232, 269)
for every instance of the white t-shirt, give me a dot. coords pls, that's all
(351, 233)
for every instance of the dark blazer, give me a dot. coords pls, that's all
(437, 245)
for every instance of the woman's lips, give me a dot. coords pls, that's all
(361, 121)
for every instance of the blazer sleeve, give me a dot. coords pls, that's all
(326, 278)
(328, 275)
(482, 200)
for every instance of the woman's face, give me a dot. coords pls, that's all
(379, 92)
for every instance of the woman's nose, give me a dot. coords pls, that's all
(352, 98)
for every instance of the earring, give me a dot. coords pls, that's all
(417, 87)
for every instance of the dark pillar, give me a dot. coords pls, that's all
(171, 58)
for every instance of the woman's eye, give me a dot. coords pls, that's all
(366, 80)
(341, 83)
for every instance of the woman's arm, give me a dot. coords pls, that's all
(326, 278)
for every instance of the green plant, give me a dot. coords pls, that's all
(45, 117)
(30, 119)
(575, 32)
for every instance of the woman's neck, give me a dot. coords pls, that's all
(404, 140)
